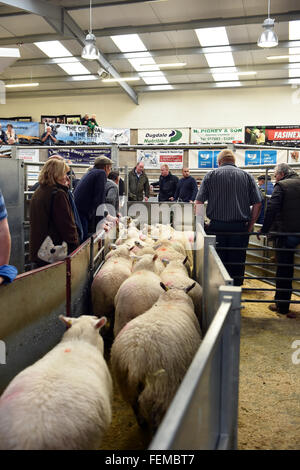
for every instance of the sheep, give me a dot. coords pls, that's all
(166, 252)
(175, 276)
(108, 281)
(63, 401)
(137, 293)
(152, 353)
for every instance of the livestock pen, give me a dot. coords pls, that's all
(203, 414)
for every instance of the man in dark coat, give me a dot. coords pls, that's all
(167, 184)
(90, 193)
(138, 184)
(283, 208)
(187, 187)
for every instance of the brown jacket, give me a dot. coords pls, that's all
(60, 225)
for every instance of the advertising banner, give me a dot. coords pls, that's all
(293, 156)
(78, 155)
(203, 158)
(273, 135)
(163, 136)
(30, 155)
(79, 135)
(27, 129)
(153, 159)
(244, 157)
(217, 135)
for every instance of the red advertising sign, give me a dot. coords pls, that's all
(273, 135)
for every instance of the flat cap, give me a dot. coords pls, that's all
(102, 160)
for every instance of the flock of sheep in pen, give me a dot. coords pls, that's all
(153, 307)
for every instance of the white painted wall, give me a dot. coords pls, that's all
(205, 108)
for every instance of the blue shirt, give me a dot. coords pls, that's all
(3, 211)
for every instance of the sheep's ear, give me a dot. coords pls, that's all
(112, 246)
(155, 247)
(100, 323)
(165, 261)
(185, 260)
(137, 243)
(66, 320)
(155, 257)
(131, 248)
(187, 289)
(164, 287)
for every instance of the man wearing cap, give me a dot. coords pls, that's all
(261, 183)
(90, 193)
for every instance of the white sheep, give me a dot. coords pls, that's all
(137, 293)
(108, 281)
(152, 353)
(63, 401)
(175, 275)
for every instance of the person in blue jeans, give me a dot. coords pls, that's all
(7, 272)
(283, 209)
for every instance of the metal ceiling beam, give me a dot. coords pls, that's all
(195, 24)
(41, 8)
(62, 22)
(172, 72)
(97, 4)
(147, 88)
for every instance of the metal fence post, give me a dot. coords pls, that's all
(230, 369)
(208, 241)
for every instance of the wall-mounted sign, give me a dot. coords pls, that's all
(153, 159)
(217, 135)
(163, 136)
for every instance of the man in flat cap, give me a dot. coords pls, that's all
(265, 189)
(90, 194)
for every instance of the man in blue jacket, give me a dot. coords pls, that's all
(261, 183)
(187, 187)
(7, 272)
(90, 193)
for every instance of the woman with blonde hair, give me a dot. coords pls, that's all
(50, 210)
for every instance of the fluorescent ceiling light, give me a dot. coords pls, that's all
(160, 87)
(294, 34)
(176, 64)
(9, 52)
(53, 49)
(212, 36)
(121, 79)
(17, 85)
(80, 78)
(217, 37)
(129, 42)
(247, 73)
(75, 68)
(277, 57)
(228, 84)
(294, 30)
(220, 59)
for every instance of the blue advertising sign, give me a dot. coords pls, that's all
(205, 159)
(268, 157)
(252, 157)
(22, 128)
(86, 156)
(216, 153)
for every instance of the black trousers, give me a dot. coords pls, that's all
(285, 257)
(238, 240)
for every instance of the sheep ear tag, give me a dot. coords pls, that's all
(100, 323)
(187, 289)
(66, 320)
(164, 287)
